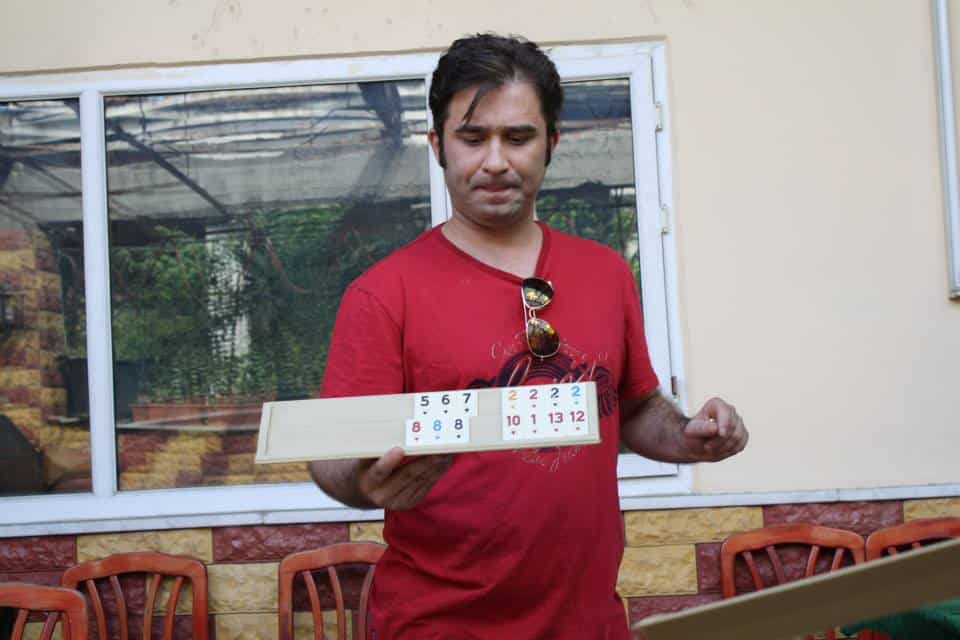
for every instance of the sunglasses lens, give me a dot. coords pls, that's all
(536, 293)
(542, 338)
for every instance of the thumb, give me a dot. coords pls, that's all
(381, 469)
(699, 427)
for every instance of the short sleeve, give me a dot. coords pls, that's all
(365, 355)
(639, 378)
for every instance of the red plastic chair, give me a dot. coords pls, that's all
(95, 574)
(913, 535)
(304, 563)
(775, 541)
(904, 537)
(59, 604)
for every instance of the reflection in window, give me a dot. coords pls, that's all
(589, 190)
(44, 431)
(237, 219)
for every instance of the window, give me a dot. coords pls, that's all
(44, 438)
(946, 65)
(237, 220)
(222, 215)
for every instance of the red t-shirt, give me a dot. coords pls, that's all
(508, 544)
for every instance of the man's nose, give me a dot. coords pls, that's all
(495, 161)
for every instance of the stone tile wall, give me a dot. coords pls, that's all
(671, 560)
(31, 389)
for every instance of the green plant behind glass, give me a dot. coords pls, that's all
(247, 310)
(599, 216)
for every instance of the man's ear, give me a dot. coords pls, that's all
(552, 146)
(434, 138)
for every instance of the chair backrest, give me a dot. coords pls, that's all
(95, 575)
(61, 605)
(904, 537)
(780, 543)
(327, 558)
(911, 535)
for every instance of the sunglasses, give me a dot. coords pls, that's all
(542, 339)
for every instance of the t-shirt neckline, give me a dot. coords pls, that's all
(539, 270)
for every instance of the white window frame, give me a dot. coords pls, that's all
(948, 142)
(105, 508)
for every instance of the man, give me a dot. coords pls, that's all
(505, 544)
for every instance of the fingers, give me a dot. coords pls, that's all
(721, 447)
(392, 485)
(715, 418)
(381, 469)
(720, 428)
(727, 447)
(737, 439)
(416, 490)
(725, 415)
(698, 427)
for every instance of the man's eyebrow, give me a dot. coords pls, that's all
(474, 128)
(521, 128)
(470, 128)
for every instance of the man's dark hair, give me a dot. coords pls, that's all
(487, 61)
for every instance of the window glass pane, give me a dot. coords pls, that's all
(44, 430)
(237, 219)
(589, 190)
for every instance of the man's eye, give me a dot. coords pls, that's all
(518, 139)
(472, 140)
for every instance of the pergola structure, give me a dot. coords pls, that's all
(212, 155)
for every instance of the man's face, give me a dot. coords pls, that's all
(496, 161)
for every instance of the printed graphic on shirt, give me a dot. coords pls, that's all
(523, 368)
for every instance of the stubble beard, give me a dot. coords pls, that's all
(500, 215)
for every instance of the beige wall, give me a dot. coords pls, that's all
(809, 222)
